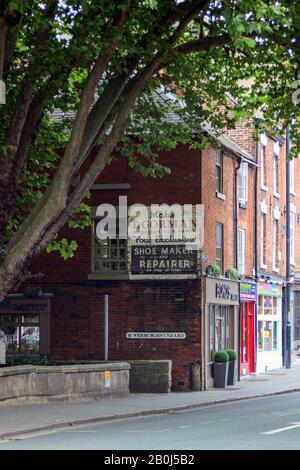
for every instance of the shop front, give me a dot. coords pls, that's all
(269, 327)
(221, 317)
(248, 298)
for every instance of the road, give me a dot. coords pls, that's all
(266, 423)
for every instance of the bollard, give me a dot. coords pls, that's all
(196, 377)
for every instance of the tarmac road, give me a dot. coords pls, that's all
(271, 423)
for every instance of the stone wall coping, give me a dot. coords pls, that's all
(75, 368)
(149, 361)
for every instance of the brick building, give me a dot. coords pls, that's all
(185, 316)
(191, 319)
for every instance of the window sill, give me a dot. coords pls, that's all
(108, 276)
(264, 188)
(277, 195)
(275, 270)
(243, 205)
(293, 193)
(220, 196)
(264, 266)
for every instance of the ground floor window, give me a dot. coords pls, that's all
(221, 327)
(269, 309)
(21, 333)
(25, 324)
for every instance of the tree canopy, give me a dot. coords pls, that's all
(83, 76)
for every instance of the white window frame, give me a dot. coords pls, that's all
(243, 183)
(263, 156)
(241, 251)
(292, 176)
(275, 235)
(292, 234)
(263, 222)
(276, 153)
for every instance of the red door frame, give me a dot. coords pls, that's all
(247, 352)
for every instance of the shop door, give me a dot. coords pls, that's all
(247, 338)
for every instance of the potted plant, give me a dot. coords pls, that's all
(220, 368)
(213, 270)
(231, 367)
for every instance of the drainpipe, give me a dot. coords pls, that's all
(106, 327)
(236, 221)
(255, 243)
(287, 323)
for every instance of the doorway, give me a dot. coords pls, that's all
(247, 338)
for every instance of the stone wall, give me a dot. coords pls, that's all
(150, 376)
(66, 383)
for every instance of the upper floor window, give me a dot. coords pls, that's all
(263, 241)
(241, 251)
(275, 244)
(292, 175)
(263, 161)
(276, 168)
(243, 183)
(292, 236)
(219, 246)
(219, 171)
(109, 255)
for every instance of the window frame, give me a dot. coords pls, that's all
(241, 251)
(243, 182)
(219, 172)
(220, 247)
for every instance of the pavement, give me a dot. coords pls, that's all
(17, 420)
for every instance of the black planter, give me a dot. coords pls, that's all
(220, 374)
(231, 379)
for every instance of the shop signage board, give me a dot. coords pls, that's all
(155, 335)
(24, 305)
(222, 291)
(273, 290)
(248, 291)
(163, 259)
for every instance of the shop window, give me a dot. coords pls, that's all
(221, 328)
(268, 319)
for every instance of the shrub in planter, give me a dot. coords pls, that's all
(213, 270)
(220, 368)
(231, 380)
(233, 274)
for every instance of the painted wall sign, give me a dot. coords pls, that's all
(221, 291)
(155, 335)
(273, 290)
(248, 291)
(167, 259)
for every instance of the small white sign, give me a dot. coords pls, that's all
(107, 379)
(155, 335)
